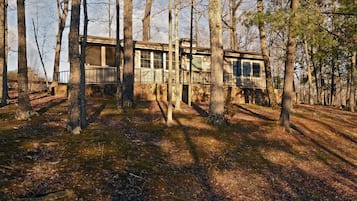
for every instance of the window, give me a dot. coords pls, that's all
(256, 69)
(246, 69)
(237, 70)
(145, 58)
(158, 60)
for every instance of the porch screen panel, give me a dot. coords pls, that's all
(145, 59)
(256, 69)
(110, 56)
(196, 63)
(93, 53)
(237, 68)
(246, 69)
(158, 60)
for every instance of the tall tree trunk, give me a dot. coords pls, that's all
(25, 110)
(40, 54)
(169, 82)
(318, 89)
(4, 90)
(128, 76)
(289, 69)
(348, 88)
(216, 115)
(233, 7)
(146, 21)
(309, 75)
(333, 85)
(119, 94)
(263, 44)
(177, 62)
(62, 17)
(194, 3)
(82, 93)
(74, 124)
(322, 84)
(340, 83)
(2, 49)
(353, 83)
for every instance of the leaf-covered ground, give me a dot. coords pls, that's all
(133, 155)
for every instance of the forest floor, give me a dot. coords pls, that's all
(133, 155)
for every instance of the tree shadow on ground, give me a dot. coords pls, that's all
(132, 156)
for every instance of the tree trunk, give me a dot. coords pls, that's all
(309, 76)
(333, 85)
(289, 69)
(62, 17)
(216, 108)
(146, 21)
(82, 93)
(233, 5)
(169, 82)
(25, 110)
(119, 94)
(177, 61)
(322, 85)
(128, 76)
(353, 83)
(194, 3)
(318, 89)
(3, 84)
(74, 124)
(263, 44)
(2, 48)
(40, 54)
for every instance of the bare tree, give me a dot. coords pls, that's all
(40, 54)
(289, 69)
(119, 94)
(309, 73)
(2, 48)
(146, 20)
(74, 123)
(265, 52)
(216, 108)
(82, 94)
(233, 7)
(177, 64)
(169, 82)
(128, 74)
(4, 55)
(25, 110)
(62, 17)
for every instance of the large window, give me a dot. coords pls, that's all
(145, 59)
(246, 68)
(256, 69)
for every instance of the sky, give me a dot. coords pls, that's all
(43, 13)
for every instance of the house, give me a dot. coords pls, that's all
(243, 71)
